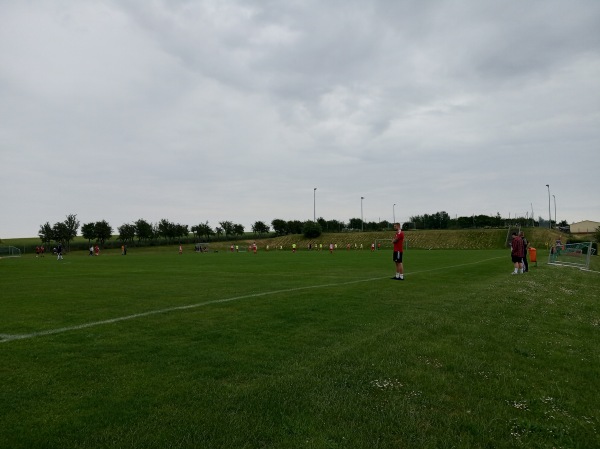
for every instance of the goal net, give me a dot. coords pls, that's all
(9, 251)
(571, 254)
(201, 247)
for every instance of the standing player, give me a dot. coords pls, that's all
(516, 253)
(398, 242)
(525, 244)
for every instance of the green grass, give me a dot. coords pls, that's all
(282, 350)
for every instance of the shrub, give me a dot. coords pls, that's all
(311, 230)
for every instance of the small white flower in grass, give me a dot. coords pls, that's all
(386, 384)
(519, 405)
(588, 420)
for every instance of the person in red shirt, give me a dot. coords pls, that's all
(517, 252)
(398, 242)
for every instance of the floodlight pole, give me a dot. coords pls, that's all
(394, 212)
(315, 205)
(555, 219)
(362, 222)
(549, 212)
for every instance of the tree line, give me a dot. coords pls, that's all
(441, 220)
(144, 232)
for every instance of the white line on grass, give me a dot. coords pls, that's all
(12, 337)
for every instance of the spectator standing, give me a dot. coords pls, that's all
(525, 245)
(516, 253)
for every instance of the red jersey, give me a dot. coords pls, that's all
(399, 241)
(517, 248)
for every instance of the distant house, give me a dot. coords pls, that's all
(584, 227)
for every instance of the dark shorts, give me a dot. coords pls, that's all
(517, 259)
(397, 257)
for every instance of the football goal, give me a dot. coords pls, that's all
(571, 254)
(201, 247)
(9, 251)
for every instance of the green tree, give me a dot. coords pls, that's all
(597, 234)
(166, 229)
(203, 230)
(60, 232)
(331, 225)
(294, 227)
(311, 230)
(88, 231)
(238, 229)
(355, 223)
(180, 231)
(46, 233)
(126, 232)
(196, 231)
(71, 228)
(143, 230)
(260, 228)
(227, 227)
(384, 225)
(279, 226)
(219, 231)
(103, 232)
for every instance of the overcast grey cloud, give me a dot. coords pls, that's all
(201, 111)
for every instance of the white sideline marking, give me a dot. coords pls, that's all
(12, 337)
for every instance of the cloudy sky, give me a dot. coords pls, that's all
(219, 110)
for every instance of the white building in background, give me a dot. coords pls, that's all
(584, 227)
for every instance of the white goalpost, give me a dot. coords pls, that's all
(571, 254)
(201, 247)
(9, 251)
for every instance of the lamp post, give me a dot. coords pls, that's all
(362, 222)
(532, 222)
(549, 212)
(555, 219)
(394, 213)
(315, 205)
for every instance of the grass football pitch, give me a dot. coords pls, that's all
(305, 350)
